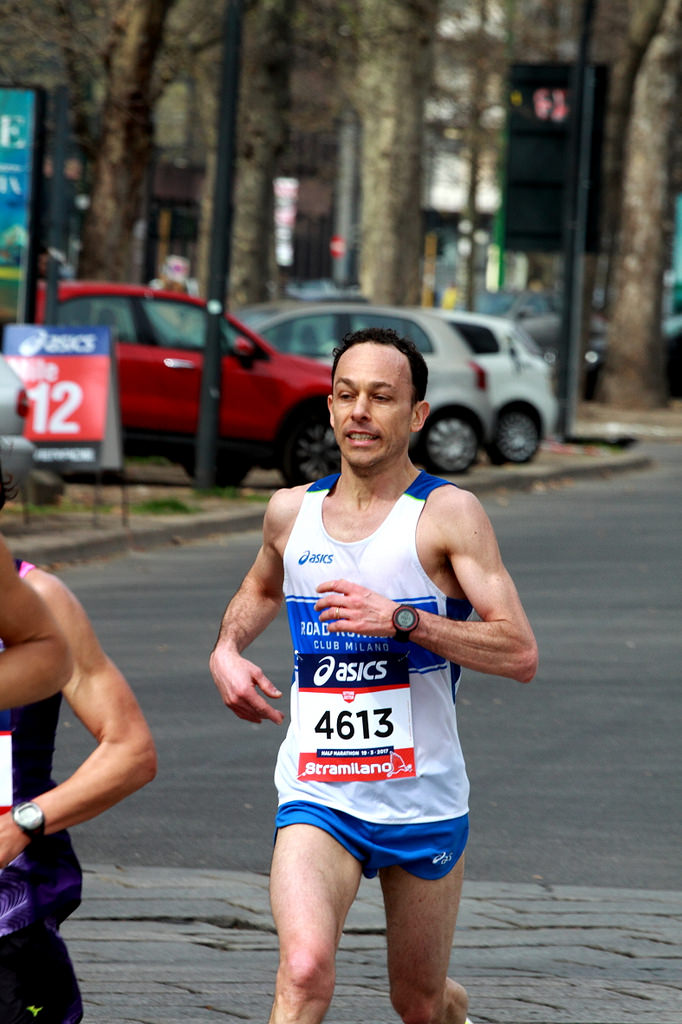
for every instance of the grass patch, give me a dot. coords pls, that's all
(231, 493)
(217, 492)
(148, 460)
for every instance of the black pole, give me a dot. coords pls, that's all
(219, 262)
(27, 297)
(57, 221)
(574, 228)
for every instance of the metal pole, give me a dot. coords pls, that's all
(27, 293)
(219, 260)
(57, 226)
(574, 232)
(500, 222)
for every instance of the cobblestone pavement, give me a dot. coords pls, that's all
(159, 946)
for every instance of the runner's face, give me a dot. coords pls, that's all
(371, 407)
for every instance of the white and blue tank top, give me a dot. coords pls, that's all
(373, 728)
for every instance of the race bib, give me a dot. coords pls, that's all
(6, 785)
(355, 717)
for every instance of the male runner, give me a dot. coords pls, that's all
(380, 567)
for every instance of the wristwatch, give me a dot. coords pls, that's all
(405, 620)
(30, 819)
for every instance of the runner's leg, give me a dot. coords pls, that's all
(420, 924)
(313, 883)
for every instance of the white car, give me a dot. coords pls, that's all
(461, 419)
(520, 382)
(16, 452)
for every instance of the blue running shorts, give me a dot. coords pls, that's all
(429, 850)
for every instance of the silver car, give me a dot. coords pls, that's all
(520, 382)
(16, 452)
(461, 419)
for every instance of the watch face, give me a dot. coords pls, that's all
(28, 816)
(405, 618)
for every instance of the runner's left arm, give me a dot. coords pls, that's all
(457, 532)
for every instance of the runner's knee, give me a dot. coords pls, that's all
(307, 975)
(422, 1007)
(414, 1007)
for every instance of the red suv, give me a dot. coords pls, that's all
(273, 409)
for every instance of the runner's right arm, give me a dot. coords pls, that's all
(250, 612)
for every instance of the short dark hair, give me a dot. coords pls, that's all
(387, 336)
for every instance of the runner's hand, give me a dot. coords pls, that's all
(238, 681)
(12, 840)
(350, 608)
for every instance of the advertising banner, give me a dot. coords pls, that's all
(17, 182)
(70, 377)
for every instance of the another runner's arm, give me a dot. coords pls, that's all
(36, 661)
(124, 758)
(249, 613)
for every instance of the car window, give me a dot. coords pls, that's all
(480, 340)
(176, 324)
(406, 328)
(314, 335)
(112, 311)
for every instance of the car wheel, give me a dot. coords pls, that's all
(310, 451)
(449, 443)
(517, 437)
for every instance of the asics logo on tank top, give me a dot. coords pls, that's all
(349, 671)
(315, 557)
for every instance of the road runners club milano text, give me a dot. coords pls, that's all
(339, 641)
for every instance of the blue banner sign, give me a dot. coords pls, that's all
(17, 174)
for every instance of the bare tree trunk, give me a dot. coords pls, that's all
(394, 72)
(263, 109)
(207, 72)
(642, 27)
(125, 140)
(634, 372)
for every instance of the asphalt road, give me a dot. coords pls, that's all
(575, 778)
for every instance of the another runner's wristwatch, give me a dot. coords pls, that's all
(405, 620)
(30, 819)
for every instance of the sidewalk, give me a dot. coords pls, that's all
(159, 946)
(611, 444)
